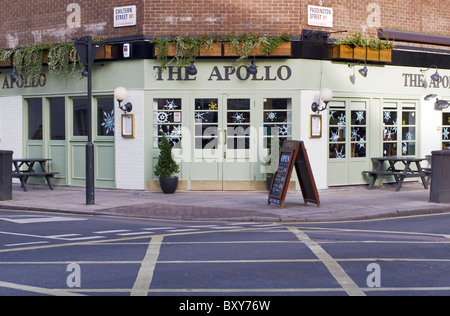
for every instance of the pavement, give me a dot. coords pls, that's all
(337, 204)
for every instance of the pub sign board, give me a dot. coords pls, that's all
(293, 154)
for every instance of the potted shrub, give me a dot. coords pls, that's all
(166, 168)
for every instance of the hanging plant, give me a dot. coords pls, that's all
(186, 49)
(28, 61)
(163, 51)
(63, 60)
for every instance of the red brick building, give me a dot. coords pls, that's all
(24, 22)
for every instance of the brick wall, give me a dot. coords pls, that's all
(25, 22)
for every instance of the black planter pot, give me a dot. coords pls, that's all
(168, 185)
(269, 183)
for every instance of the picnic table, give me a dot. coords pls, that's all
(399, 174)
(24, 168)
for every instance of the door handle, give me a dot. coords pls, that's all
(225, 141)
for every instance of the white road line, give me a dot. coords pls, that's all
(181, 230)
(335, 269)
(141, 286)
(112, 231)
(27, 243)
(134, 234)
(158, 228)
(34, 289)
(83, 238)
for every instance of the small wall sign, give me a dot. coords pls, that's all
(125, 16)
(128, 125)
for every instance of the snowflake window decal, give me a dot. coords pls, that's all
(108, 122)
(238, 117)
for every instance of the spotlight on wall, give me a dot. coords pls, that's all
(325, 95)
(363, 71)
(191, 70)
(434, 77)
(252, 69)
(121, 94)
(14, 76)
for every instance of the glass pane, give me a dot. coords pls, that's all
(390, 118)
(238, 117)
(276, 116)
(409, 133)
(105, 117)
(409, 118)
(358, 134)
(168, 104)
(359, 150)
(337, 117)
(446, 133)
(445, 119)
(337, 134)
(57, 119)
(80, 117)
(358, 117)
(207, 104)
(238, 104)
(277, 104)
(281, 130)
(390, 133)
(337, 151)
(389, 149)
(35, 119)
(409, 149)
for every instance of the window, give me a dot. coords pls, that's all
(399, 129)
(35, 119)
(445, 130)
(337, 131)
(359, 136)
(80, 117)
(105, 116)
(57, 119)
(206, 123)
(277, 120)
(167, 121)
(238, 123)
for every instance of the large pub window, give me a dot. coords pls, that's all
(399, 129)
(35, 119)
(167, 121)
(277, 120)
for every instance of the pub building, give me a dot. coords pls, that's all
(222, 119)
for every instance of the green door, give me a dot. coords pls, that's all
(103, 138)
(222, 142)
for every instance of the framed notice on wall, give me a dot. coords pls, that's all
(128, 125)
(316, 126)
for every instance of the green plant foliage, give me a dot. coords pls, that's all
(187, 47)
(166, 166)
(359, 39)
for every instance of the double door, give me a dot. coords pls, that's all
(224, 142)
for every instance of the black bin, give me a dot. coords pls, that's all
(440, 177)
(5, 175)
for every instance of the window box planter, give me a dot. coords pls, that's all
(361, 53)
(285, 49)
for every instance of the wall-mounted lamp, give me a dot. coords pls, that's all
(434, 77)
(325, 95)
(121, 94)
(191, 70)
(363, 71)
(14, 76)
(252, 70)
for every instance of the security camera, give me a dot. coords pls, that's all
(441, 105)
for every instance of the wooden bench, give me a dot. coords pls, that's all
(399, 175)
(24, 175)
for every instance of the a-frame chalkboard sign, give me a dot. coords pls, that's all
(293, 154)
